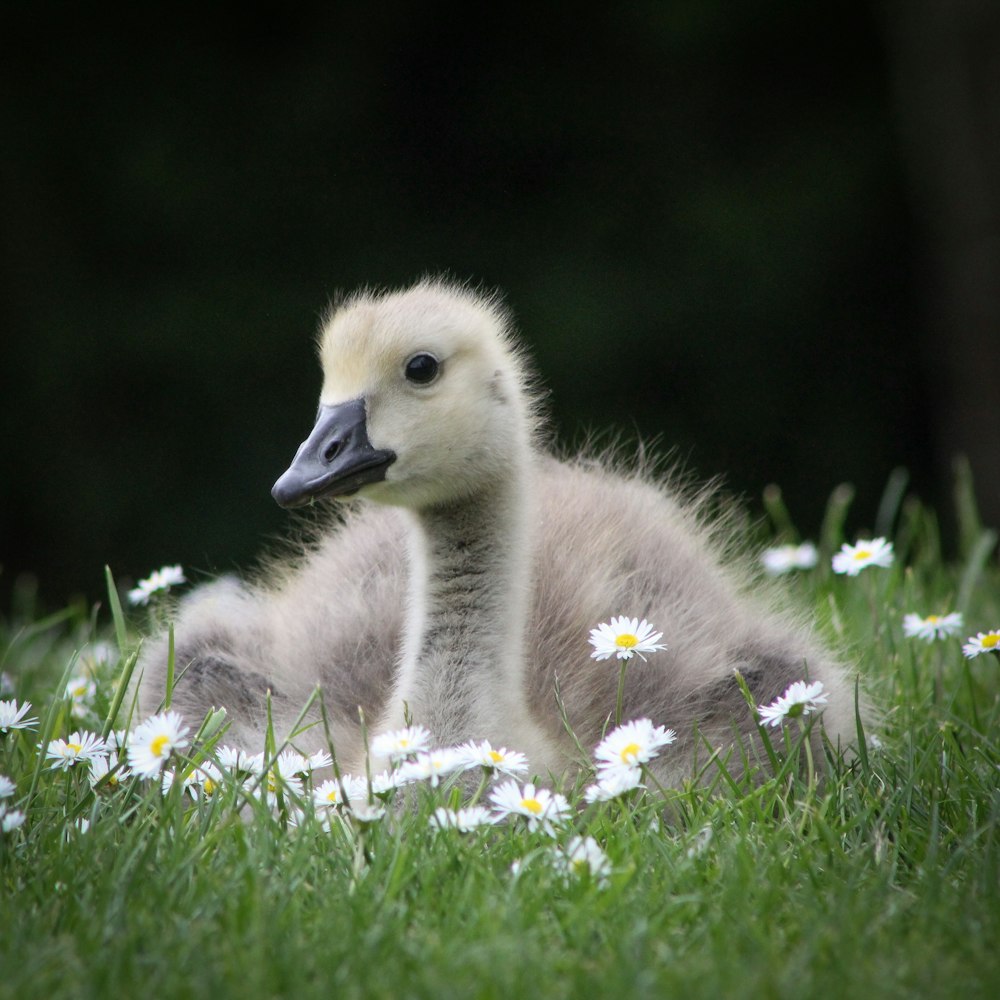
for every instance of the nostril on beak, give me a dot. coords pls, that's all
(331, 451)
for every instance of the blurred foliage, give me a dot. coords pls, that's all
(695, 210)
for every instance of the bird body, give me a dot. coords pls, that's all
(462, 583)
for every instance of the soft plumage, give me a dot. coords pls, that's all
(469, 574)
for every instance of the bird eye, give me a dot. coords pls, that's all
(422, 368)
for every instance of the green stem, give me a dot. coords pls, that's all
(621, 693)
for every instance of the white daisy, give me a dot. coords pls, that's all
(465, 820)
(291, 762)
(784, 558)
(982, 642)
(206, 779)
(631, 745)
(363, 811)
(12, 717)
(320, 759)
(431, 765)
(336, 793)
(484, 755)
(932, 627)
(159, 580)
(583, 856)
(402, 742)
(624, 637)
(852, 559)
(540, 807)
(78, 746)
(80, 692)
(7, 787)
(152, 743)
(799, 700)
(104, 765)
(11, 820)
(386, 781)
(234, 760)
(282, 775)
(613, 782)
(117, 739)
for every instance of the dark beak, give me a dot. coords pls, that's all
(336, 460)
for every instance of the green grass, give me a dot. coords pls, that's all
(877, 876)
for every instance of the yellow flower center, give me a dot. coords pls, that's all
(626, 640)
(332, 795)
(862, 554)
(933, 619)
(629, 753)
(80, 690)
(532, 805)
(991, 641)
(208, 786)
(272, 782)
(495, 756)
(75, 747)
(160, 746)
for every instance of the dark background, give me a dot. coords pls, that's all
(764, 233)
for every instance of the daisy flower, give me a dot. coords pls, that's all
(402, 742)
(583, 856)
(206, 779)
(7, 787)
(10, 821)
(484, 755)
(540, 807)
(852, 559)
(624, 637)
(102, 766)
(80, 692)
(234, 760)
(932, 627)
(613, 782)
(464, 820)
(12, 717)
(631, 745)
(319, 759)
(159, 580)
(281, 775)
(784, 558)
(363, 811)
(431, 765)
(154, 741)
(117, 740)
(386, 781)
(79, 746)
(799, 700)
(331, 794)
(983, 642)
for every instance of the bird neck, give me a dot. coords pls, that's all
(462, 669)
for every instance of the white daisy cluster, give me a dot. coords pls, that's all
(784, 558)
(10, 819)
(799, 700)
(852, 559)
(159, 581)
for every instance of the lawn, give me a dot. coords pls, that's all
(871, 873)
